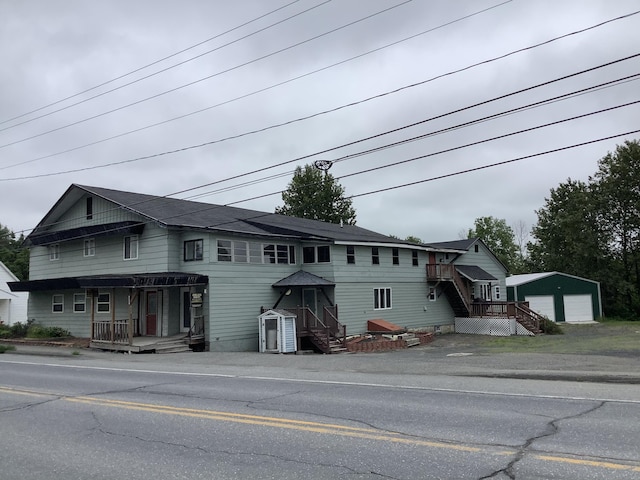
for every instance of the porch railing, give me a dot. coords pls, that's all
(446, 272)
(330, 318)
(111, 331)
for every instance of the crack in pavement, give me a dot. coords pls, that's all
(552, 428)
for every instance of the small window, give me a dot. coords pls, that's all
(240, 252)
(255, 252)
(414, 258)
(375, 256)
(432, 294)
(89, 208)
(79, 302)
(103, 305)
(309, 254)
(324, 255)
(57, 303)
(497, 292)
(224, 250)
(193, 250)
(89, 247)
(381, 298)
(282, 254)
(131, 247)
(351, 254)
(292, 254)
(269, 253)
(475, 248)
(395, 254)
(54, 252)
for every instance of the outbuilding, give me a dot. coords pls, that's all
(558, 296)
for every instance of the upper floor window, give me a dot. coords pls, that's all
(251, 252)
(351, 254)
(131, 247)
(193, 250)
(54, 251)
(282, 254)
(395, 255)
(414, 258)
(89, 247)
(476, 248)
(89, 208)
(57, 303)
(382, 298)
(375, 256)
(316, 254)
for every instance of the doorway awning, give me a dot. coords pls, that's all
(166, 279)
(303, 279)
(475, 273)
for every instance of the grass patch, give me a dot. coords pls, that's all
(6, 348)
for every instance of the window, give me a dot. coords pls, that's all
(79, 303)
(131, 247)
(103, 305)
(240, 252)
(497, 296)
(255, 252)
(54, 252)
(375, 256)
(269, 253)
(432, 294)
(224, 251)
(381, 298)
(89, 247)
(475, 248)
(414, 258)
(316, 254)
(89, 208)
(193, 250)
(57, 303)
(395, 255)
(351, 254)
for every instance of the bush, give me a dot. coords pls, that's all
(6, 348)
(17, 330)
(550, 328)
(38, 331)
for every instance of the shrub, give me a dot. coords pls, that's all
(16, 330)
(38, 331)
(6, 348)
(550, 328)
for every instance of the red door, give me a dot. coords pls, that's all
(152, 313)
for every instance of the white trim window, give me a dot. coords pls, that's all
(54, 251)
(79, 303)
(193, 250)
(316, 254)
(496, 295)
(130, 247)
(382, 298)
(432, 294)
(103, 302)
(57, 303)
(89, 247)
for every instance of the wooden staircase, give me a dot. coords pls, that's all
(327, 335)
(453, 287)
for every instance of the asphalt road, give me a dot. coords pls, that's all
(229, 416)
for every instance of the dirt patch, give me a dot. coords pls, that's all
(69, 342)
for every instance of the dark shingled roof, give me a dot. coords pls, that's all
(176, 213)
(474, 273)
(464, 244)
(303, 279)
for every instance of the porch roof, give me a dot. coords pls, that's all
(474, 273)
(303, 279)
(135, 280)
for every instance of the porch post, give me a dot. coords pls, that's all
(113, 314)
(132, 295)
(93, 309)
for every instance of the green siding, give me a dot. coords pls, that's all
(558, 285)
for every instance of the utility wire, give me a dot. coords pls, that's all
(208, 77)
(162, 70)
(484, 102)
(318, 113)
(395, 187)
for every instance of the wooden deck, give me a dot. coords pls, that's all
(146, 344)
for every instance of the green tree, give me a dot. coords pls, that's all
(13, 254)
(499, 237)
(316, 195)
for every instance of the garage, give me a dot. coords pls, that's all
(559, 296)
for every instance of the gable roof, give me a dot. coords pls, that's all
(465, 245)
(177, 213)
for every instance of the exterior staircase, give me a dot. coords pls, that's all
(172, 345)
(326, 335)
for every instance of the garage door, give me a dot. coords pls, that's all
(543, 304)
(578, 308)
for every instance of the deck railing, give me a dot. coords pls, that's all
(446, 272)
(111, 331)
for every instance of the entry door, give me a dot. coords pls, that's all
(152, 313)
(185, 317)
(309, 299)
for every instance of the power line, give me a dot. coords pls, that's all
(530, 47)
(208, 77)
(162, 70)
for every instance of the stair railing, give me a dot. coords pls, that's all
(533, 317)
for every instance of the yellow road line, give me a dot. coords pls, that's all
(305, 426)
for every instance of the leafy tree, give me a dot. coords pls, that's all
(499, 237)
(318, 196)
(13, 254)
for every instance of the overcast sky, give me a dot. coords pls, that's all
(271, 62)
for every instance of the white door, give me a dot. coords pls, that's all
(542, 304)
(578, 308)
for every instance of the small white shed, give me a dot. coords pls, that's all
(277, 331)
(13, 305)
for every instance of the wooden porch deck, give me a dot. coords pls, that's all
(146, 344)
